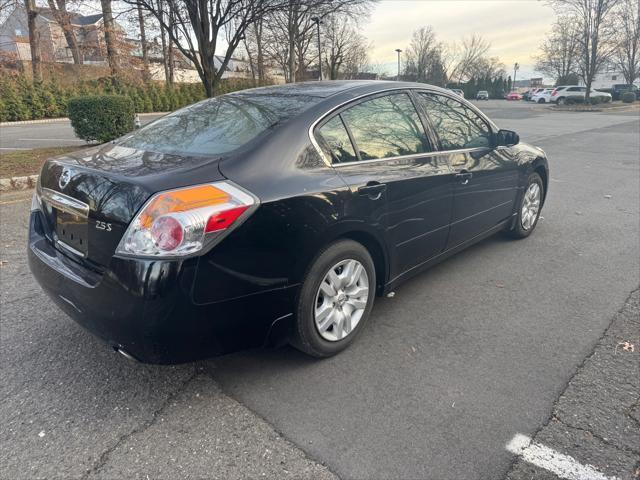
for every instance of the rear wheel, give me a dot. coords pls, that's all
(335, 299)
(529, 208)
(541, 100)
(561, 101)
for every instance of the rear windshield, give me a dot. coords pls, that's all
(218, 125)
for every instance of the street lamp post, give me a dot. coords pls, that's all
(317, 21)
(516, 67)
(399, 51)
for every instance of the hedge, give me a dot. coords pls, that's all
(628, 97)
(21, 99)
(101, 117)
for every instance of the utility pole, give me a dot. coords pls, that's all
(317, 21)
(516, 67)
(399, 52)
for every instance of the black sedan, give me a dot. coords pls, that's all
(273, 215)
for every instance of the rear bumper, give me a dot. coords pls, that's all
(145, 307)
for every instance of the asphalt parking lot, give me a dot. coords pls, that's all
(496, 342)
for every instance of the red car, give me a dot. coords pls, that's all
(514, 96)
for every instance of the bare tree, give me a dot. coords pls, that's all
(423, 58)
(559, 52)
(63, 17)
(626, 53)
(194, 27)
(143, 43)
(342, 45)
(254, 46)
(593, 18)
(293, 27)
(34, 40)
(463, 60)
(110, 36)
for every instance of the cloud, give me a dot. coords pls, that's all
(514, 28)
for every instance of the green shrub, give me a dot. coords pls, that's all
(574, 100)
(628, 97)
(15, 109)
(101, 117)
(3, 111)
(595, 100)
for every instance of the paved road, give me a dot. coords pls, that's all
(464, 357)
(37, 135)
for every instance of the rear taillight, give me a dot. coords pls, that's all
(186, 221)
(554, 93)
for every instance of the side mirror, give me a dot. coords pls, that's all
(507, 138)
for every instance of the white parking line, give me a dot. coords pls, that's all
(562, 465)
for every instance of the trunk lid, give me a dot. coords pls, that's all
(90, 197)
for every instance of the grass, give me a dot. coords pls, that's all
(19, 163)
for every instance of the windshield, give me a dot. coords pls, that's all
(218, 125)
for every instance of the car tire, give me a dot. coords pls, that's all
(525, 223)
(541, 100)
(312, 300)
(561, 101)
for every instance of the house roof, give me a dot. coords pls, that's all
(76, 18)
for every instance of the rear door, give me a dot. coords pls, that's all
(486, 178)
(381, 149)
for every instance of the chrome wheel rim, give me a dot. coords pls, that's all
(341, 300)
(530, 206)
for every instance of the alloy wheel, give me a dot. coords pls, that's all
(341, 300)
(530, 206)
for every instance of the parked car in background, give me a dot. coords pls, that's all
(457, 91)
(618, 89)
(482, 95)
(561, 93)
(513, 96)
(531, 93)
(273, 214)
(543, 96)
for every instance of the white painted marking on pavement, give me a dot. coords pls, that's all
(544, 457)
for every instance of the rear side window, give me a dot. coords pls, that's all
(457, 125)
(386, 127)
(335, 141)
(218, 125)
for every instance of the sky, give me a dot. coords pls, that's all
(515, 28)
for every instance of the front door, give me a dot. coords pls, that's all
(486, 178)
(394, 164)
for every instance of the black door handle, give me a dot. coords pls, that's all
(373, 190)
(464, 176)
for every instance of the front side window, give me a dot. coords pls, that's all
(457, 125)
(335, 141)
(385, 127)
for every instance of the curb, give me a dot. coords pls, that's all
(62, 119)
(616, 108)
(18, 183)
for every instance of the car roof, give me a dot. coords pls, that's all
(318, 89)
(334, 89)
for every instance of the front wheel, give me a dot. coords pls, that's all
(541, 100)
(529, 208)
(335, 299)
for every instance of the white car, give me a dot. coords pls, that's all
(457, 91)
(543, 96)
(561, 93)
